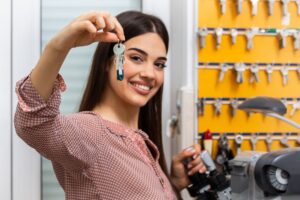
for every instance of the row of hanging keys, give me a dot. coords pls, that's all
(234, 103)
(249, 33)
(254, 69)
(254, 4)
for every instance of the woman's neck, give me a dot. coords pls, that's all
(114, 110)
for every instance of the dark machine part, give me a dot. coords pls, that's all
(266, 175)
(278, 172)
(224, 154)
(212, 185)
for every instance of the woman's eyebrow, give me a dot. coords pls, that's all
(145, 53)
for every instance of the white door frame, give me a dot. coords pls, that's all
(26, 162)
(5, 104)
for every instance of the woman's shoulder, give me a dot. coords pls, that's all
(87, 119)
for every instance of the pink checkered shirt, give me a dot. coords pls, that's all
(93, 158)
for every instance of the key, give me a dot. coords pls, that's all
(218, 35)
(223, 70)
(201, 108)
(269, 141)
(296, 37)
(285, 74)
(218, 106)
(234, 103)
(285, 7)
(223, 6)
(298, 6)
(119, 50)
(298, 139)
(233, 34)
(239, 6)
(253, 141)
(239, 140)
(285, 102)
(298, 72)
(295, 107)
(269, 70)
(254, 6)
(282, 37)
(250, 33)
(240, 68)
(203, 32)
(254, 73)
(271, 7)
(284, 141)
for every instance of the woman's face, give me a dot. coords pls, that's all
(145, 58)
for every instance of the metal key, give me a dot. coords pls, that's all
(285, 102)
(250, 33)
(233, 34)
(239, 6)
(239, 140)
(295, 107)
(298, 139)
(254, 6)
(298, 72)
(284, 141)
(282, 37)
(285, 7)
(253, 141)
(218, 35)
(119, 50)
(296, 37)
(298, 6)
(269, 70)
(201, 106)
(285, 74)
(240, 69)
(254, 73)
(203, 32)
(269, 141)
(223, 6)
(223, 70)
(234, 103)
(271, 7)
(218, 106)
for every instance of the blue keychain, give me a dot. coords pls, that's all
(119, 50)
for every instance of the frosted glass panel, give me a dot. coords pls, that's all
(55, 15)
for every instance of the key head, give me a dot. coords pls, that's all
(119, 49)
(203, 32)
(239, 139)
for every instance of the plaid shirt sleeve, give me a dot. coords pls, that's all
(54, 136)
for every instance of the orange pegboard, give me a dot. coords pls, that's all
(265, 50)
(210, 15)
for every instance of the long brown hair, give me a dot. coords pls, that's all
(134, 24)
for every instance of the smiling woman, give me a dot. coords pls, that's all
(117, 133)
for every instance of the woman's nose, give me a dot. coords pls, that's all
(148, 71)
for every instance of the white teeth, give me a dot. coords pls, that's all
(143, 87)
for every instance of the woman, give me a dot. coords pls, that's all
(112, 148)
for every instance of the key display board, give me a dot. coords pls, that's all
(248, 48)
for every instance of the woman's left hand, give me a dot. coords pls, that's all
(180, 172)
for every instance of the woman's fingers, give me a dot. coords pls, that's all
(105, 21)
(106, 37)
(85, 25)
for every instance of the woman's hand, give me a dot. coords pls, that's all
(84, 30)
(179, 174)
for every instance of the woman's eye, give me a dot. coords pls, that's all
(136, 58)
(160, 65)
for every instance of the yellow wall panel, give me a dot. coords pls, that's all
(210, 15)
(209, 86)
(265, 49)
